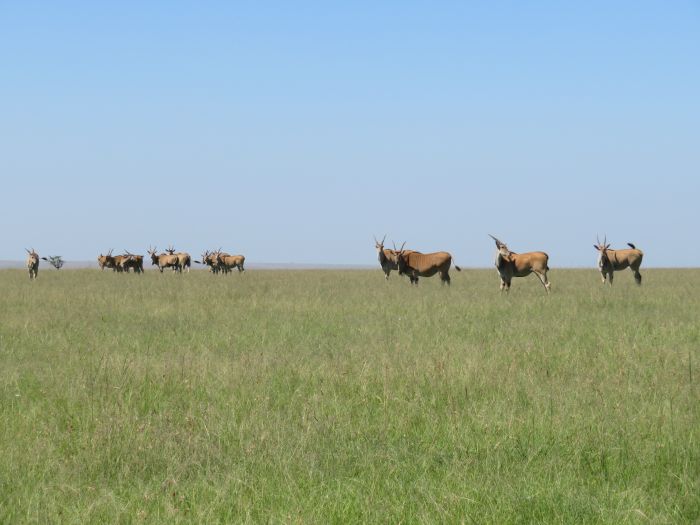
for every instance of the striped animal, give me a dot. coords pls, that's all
(610, 261)
(510, 264)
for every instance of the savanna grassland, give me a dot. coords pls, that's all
(337, 397)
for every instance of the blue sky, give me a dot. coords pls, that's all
(295, 131)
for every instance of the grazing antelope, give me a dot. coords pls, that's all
(183, 259)
(510, 264)
(611, 260)
(164, 260)
(416, 264)
(32, 264)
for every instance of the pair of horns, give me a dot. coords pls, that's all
(383, 238)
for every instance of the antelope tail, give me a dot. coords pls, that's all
(458, 268)
(631, 245)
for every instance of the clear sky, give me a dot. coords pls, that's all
(295, 131)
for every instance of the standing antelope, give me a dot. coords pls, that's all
(611, 260)
(416, 264)
(120, 263)
(32, 264)
(387, 258)
(183, 259)
(227, 262)
(209, 259)
(164, 260)
(106, 261)
(510, 264)
(133, 261)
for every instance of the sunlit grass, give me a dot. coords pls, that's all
(329, 396)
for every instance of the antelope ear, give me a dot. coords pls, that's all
(596, 247)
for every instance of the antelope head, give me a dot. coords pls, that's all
(602, 247)
(503, 251)
(379, 245)
(400, 259)
(152, 253)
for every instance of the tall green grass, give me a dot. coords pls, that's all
(330, 396)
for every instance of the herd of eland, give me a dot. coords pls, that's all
(509, 264)
(176, 261)
(412, 263)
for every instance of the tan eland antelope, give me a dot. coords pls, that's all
(417, 264)
(164, 260)
(387, 257)
(209, 259)
(183, 259)
(106, 261)
(510, 264)
(120, 262)
(228, 262)
(133, 261)
(610, 261)
(32, 264)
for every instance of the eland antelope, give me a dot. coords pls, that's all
(228, 262)
(106, 261)
(417, 264)
(32, 264)
(610, 261)
(164, 260)
(209, 259)
(510, 264)
(133, 261)
(387, 259)
(183, 259)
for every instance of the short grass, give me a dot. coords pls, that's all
(337, 397)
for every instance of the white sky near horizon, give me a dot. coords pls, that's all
(295, 132)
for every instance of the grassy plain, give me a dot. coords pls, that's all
(331, 396)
